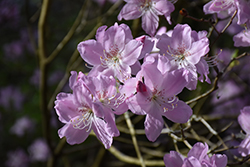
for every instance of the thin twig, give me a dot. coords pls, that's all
(206, 93)
(132, 160)
(224, 29)
(132, 133)
(69, 35)
(43, 71)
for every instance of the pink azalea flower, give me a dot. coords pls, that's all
(243, 119)
(81, 112)
(242, 7)
(197, 157)
(22, 126)
(39, 150)
(17, 158)
(105, 90)
(112, 53)
(242, 38)
(149, 11)
(216, 6)
(243, 12)
(185, 49)
(153, 94)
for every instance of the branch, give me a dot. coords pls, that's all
(215, 86)
(132, 133)
(41, 30)
(69, 34)
(43, 72)
(224, 29)
(132, 160)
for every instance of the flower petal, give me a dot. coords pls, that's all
(99, 127)
(131, 52)
(65, 107)
(150, 22)
(220, 160)
(153, 126)
(73, 136)
(244, 118)
(173, 159)
(180, 114)
(191, 162)
(198, 151)
(244, 147)
(181, 37)
(90, 51)
(130, 11)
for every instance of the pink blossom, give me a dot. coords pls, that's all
(149, 11)
(39, 150)
(197, 157)
(216, 6)
(243, 119)
(22, 126)
(153, 94)
(242, 38)
(242, 7)
(243, 12)
(185, 49)
(17, 158)
(11, 98)
(112, 53)
(81, 112)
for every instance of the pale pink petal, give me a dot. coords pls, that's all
(153, 126)
(114, 39)
(99, 127)
(90, 51)
(191, 162)
(173, 159)
(100, 34)
(150, 22)
(131, 52)
(138, 104)
(198, 151)
(198, 50)
(65, 107)
(180, 114)
(174, 82)
(244, 118)
(73, 136)
(128, 32)
(203, 70)
(163, 7)
(130, 12)
(182, 36)
(220, 160)
(242, 39)
(244, 147)
(135, 68)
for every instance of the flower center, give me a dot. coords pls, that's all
(179, 55)
(84, 120)
(145, 5)
(167, 103)
(111, 58)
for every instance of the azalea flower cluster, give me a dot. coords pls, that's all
(143, 75)
(118, 81)
(196, 157)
